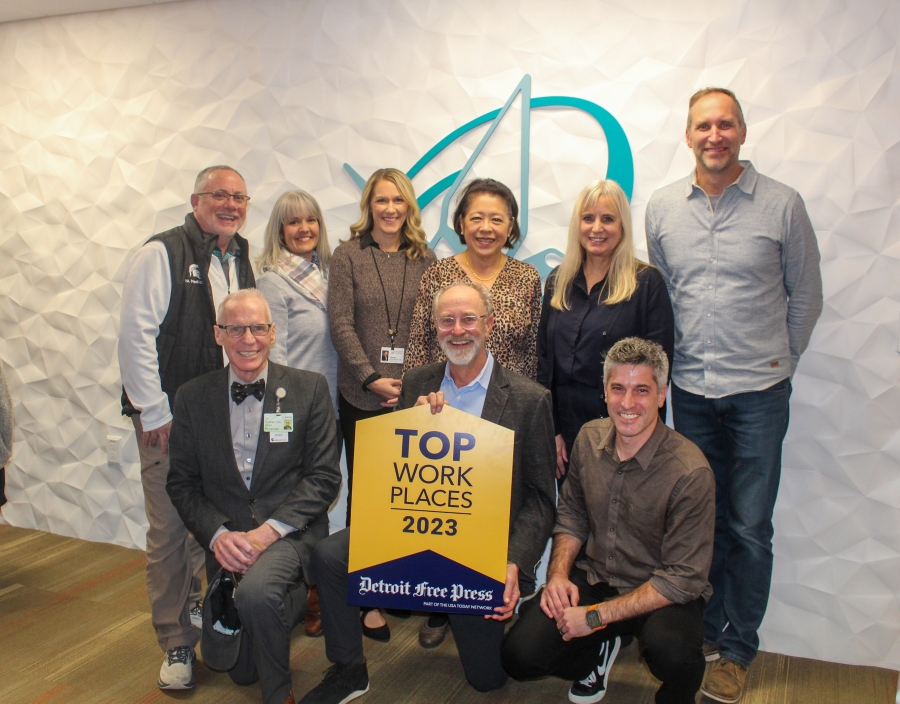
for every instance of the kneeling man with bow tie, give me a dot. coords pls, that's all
(254, 468)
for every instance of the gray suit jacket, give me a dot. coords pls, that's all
(523, 406)
(293, 482)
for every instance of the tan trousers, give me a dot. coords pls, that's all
(175, 560)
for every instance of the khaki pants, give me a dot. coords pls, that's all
(175, 560)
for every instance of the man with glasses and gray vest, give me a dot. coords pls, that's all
(174, 284)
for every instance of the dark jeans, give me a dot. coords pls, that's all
(477, 639)
(350, 414)
(741, 436)
(671, 641)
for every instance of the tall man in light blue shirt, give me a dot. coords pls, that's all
(740, 259)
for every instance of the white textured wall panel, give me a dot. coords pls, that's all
(105, 119)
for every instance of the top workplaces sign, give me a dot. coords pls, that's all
(620, 166)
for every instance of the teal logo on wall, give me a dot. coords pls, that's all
(620, 167)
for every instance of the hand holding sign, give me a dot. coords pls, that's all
(435, 399)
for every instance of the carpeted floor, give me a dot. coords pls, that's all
(75, 627)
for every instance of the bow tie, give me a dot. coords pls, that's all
(241, 391)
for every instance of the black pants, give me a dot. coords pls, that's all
(671, 641)
(349, 415)
(477, 639)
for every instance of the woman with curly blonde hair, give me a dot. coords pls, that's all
(373, 282)
(372, 290)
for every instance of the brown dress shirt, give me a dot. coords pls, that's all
(650, 518)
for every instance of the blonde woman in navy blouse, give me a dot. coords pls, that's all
(599, 295)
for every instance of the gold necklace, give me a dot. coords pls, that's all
(472, 269)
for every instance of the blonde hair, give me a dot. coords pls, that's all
(412, 232)
(292, 204)
(621, 281)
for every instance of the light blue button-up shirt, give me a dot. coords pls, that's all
(470, 398)
(744, 281)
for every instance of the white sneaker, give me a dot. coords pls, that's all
(177, 671)
(197, 615)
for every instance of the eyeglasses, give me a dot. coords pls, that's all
(257, 330)
(468, 322)
(223, 196)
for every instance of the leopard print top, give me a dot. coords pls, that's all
(516, 295)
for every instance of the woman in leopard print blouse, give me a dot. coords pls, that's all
(486, 220)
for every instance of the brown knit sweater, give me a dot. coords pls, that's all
(356, 309)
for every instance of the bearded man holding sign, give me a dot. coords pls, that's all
(471, 381)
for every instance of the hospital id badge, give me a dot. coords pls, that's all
(394, 355)
(278, 423)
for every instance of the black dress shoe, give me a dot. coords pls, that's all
(382, 633)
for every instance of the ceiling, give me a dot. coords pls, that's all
(12, 10)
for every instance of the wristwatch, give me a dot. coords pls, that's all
(594, 622)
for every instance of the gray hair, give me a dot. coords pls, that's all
(703, 92)
(289, 205)
(634, 351)
(482, 291)
(240, 296)
(200, 181)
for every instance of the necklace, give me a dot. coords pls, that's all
(472, 269)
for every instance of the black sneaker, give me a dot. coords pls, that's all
(593, 687)
(342, 683)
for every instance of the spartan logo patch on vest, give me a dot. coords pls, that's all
(193, 275)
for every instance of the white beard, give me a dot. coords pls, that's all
(463, 356)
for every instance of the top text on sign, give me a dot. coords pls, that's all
(461, 443)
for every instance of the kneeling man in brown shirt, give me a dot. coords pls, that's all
(641, 498)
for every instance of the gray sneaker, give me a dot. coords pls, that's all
(177, 671)
(342, 684)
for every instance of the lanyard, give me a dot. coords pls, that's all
(392, 331)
